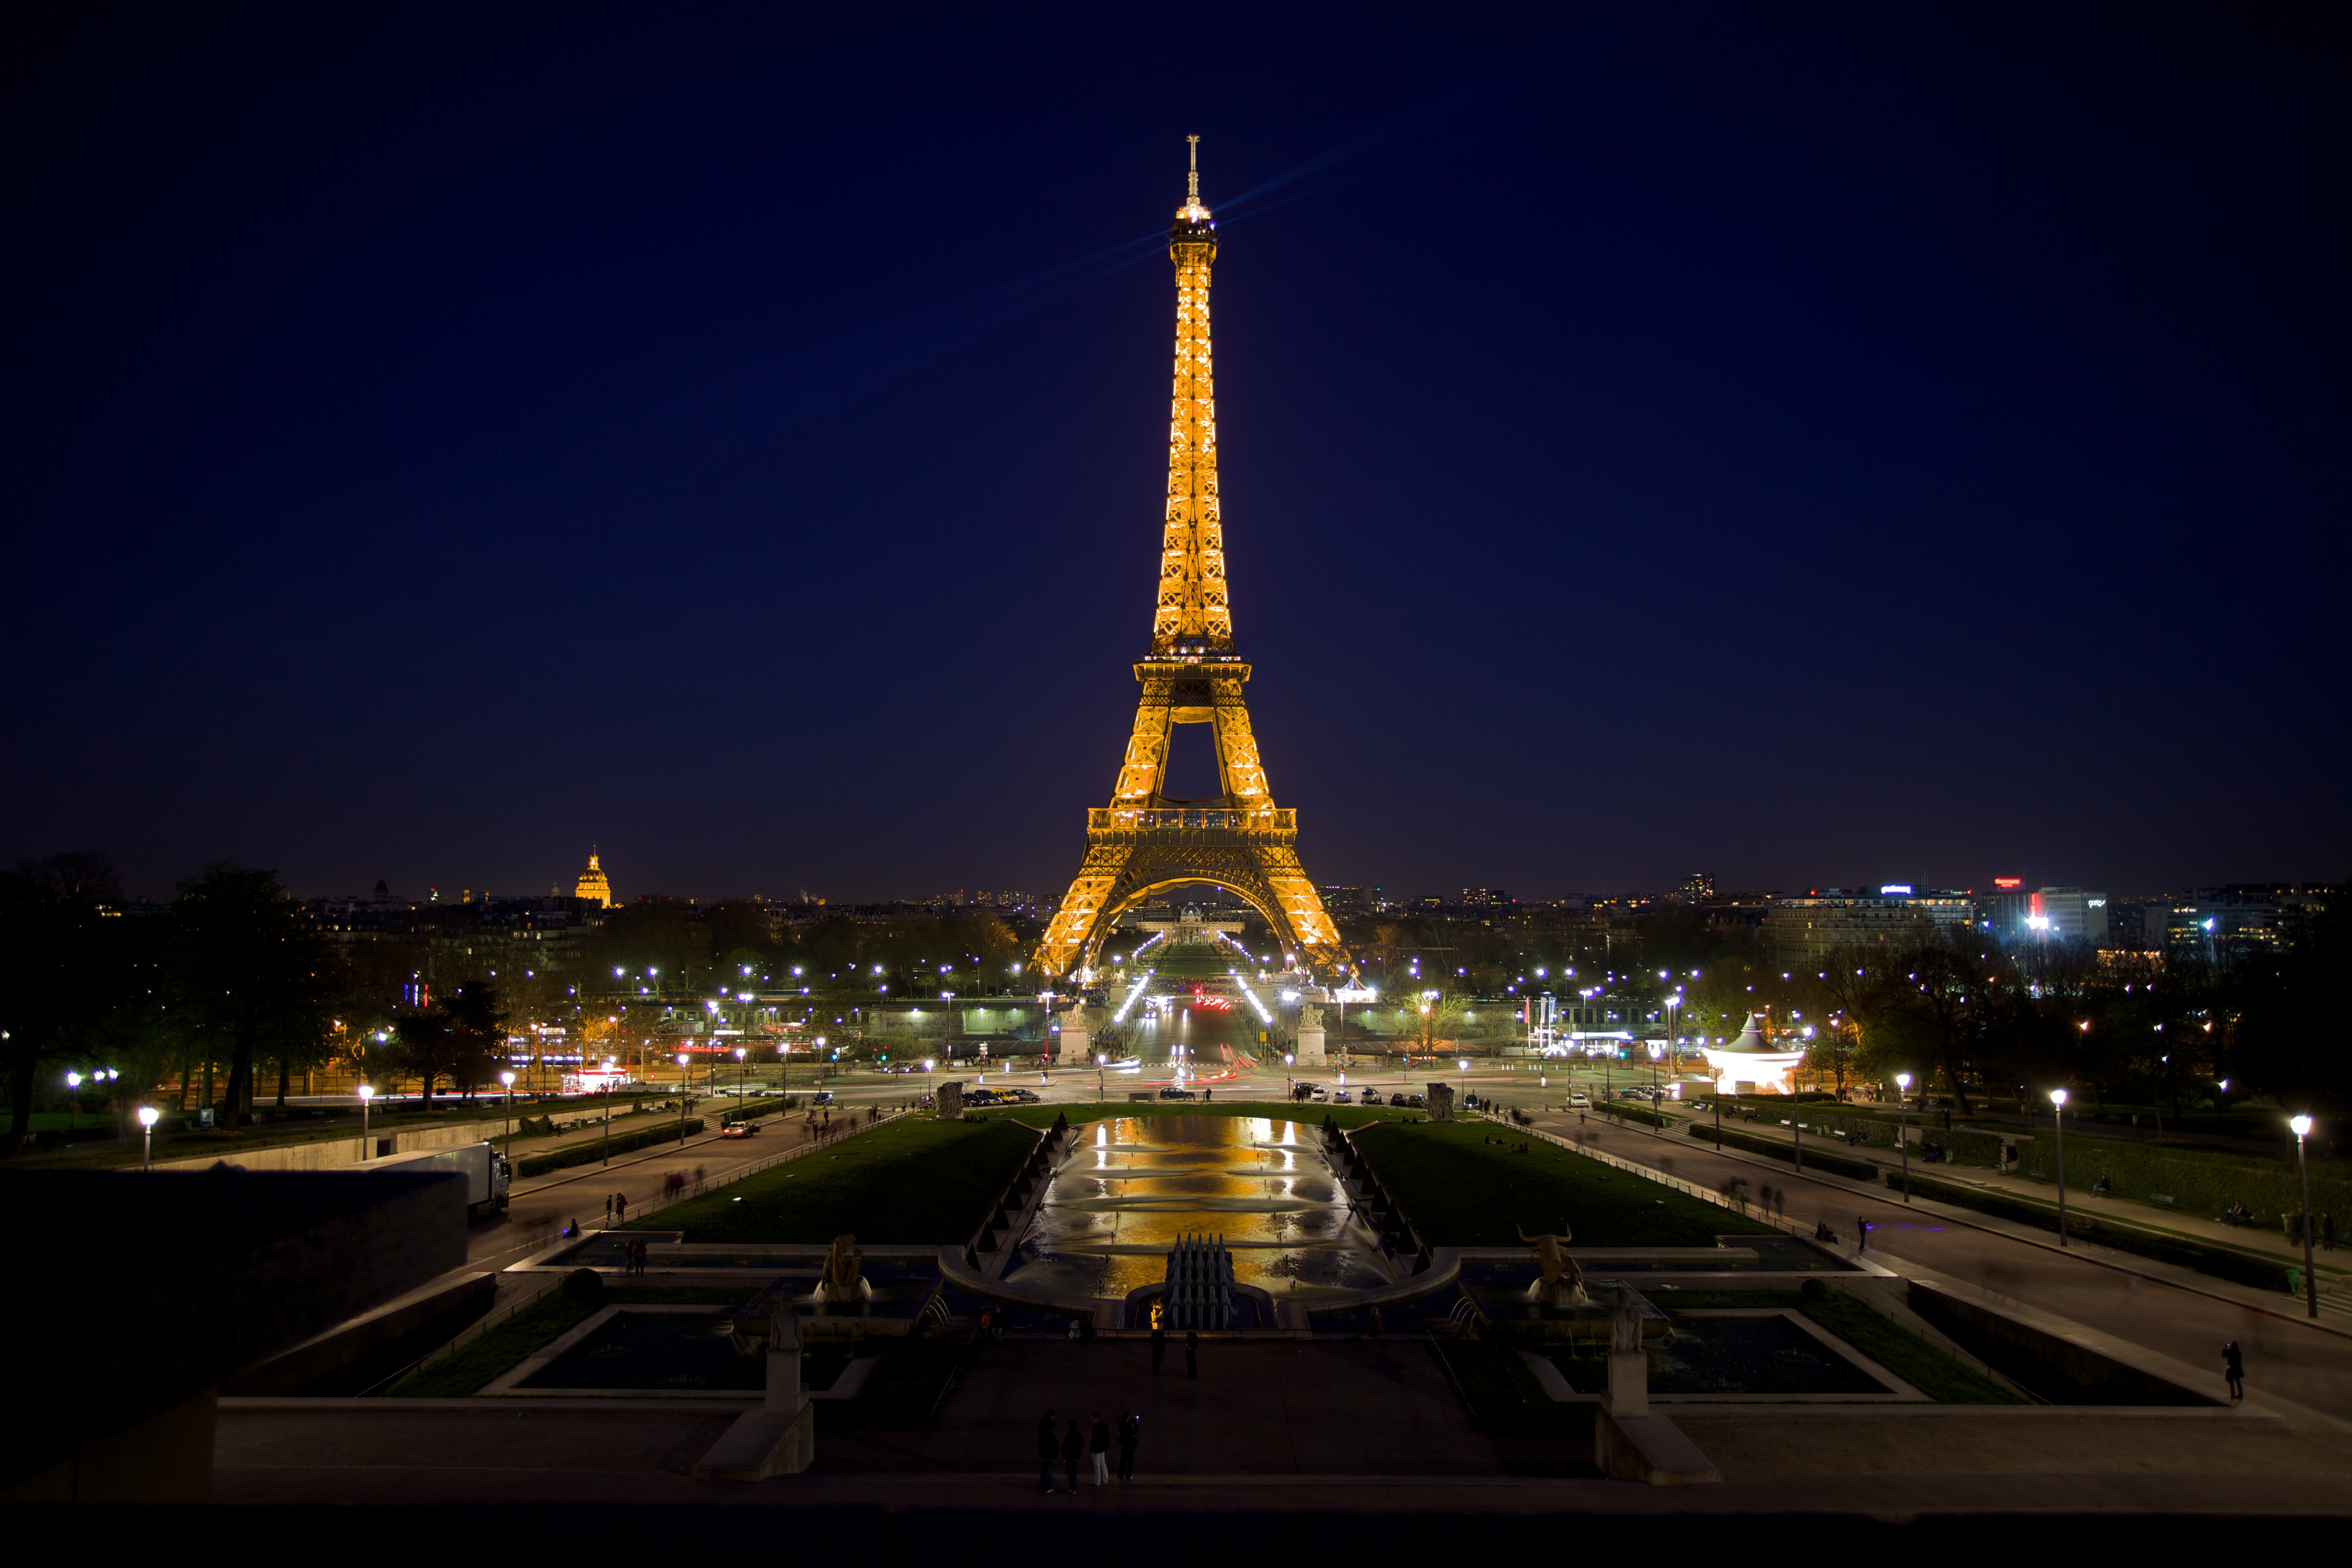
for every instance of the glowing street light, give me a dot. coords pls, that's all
(2301, 1127)
(2058, 1124)
(508, 1078)
(1902, 1125)
(367, 1147)
(147, 1115)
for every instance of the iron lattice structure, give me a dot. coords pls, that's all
(1146, 841)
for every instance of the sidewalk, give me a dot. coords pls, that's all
(2186, 1225)
(1625, 1139)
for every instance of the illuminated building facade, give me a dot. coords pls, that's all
(1145, 841)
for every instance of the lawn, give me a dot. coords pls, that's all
(914, 1179)
(1461, 1191)
(502, 1347)
(1923, 1365)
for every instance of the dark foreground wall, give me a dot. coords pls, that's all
(131, 1297)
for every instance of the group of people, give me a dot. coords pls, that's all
(1072, 1446)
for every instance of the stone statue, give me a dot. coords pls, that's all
(1562, 1284)
(842, 1280)
(1310, 1017)
(1440, 1102)
(1625, 1324)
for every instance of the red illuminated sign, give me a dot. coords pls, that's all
(2005, 882)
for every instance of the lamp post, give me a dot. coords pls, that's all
(73, 1088)
(609, 1065)
(1902, 1126)
(2301, 1125)
(147, 1114)
(1672, 1001)
(2058, 1127)
(739, 1054)
(508, 1078)
(682, 1066)
(367, 1147)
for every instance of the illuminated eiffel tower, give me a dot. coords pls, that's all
(1144, 841)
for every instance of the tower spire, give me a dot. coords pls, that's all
(1192, 610)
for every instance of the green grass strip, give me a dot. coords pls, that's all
(1461, 1186)
(1925, 1366)
(913, 1180)
(504, 1347)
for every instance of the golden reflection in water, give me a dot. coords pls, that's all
(1132, 1189)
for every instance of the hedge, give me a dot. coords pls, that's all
(1648, 1118)
(1815, 1159)
(2221, 1262)
(2204, 1184)
(593, 1149)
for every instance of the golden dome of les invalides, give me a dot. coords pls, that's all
(592, 884)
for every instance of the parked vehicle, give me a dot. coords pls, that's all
(1579, 1100)
(1340, 1098)
(487, 1175)
(1173, 1093)
(1414, 1100)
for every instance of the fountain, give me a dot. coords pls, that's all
(1200, 1289)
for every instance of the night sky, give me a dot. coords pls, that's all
(1808, 444)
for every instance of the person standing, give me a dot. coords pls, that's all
(1098, 1444)
(2234, 1368)
(1073, 1445)
(1861, 1235)
(621, 1207)
(1158, 1346)
(1130, 1431)
(1046, 1450)
(1191, 1352)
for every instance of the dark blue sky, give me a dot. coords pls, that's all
(1810, 443)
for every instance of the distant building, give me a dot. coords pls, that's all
(1698, 888)
(1354, 899)
(1803, 930)
(2070, 914)
(592, 887)
(1485, 899)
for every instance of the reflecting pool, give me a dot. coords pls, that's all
(1130, 1186)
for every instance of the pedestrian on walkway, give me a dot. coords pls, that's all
(608, 1211)
(1861, 1235)
(621, 1207)
(1159, 1347)
(1046, 1451)
(1098, 1444)
(1073, 1445)
(1130, 1430)
(1191, 1353)
(2234, 1368)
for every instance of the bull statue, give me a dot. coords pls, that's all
(1562, 1284)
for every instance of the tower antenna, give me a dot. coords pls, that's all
(1192, 181)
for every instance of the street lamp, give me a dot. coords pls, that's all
(147, 1115)
(739, 1054)
(73, 1087)
(2301, 1127)
(1672, 1001)
(1902, 1126)
(2058, 1126)
(681, 1099)
(609, 1064)
(508, 1078)
(367, 1093)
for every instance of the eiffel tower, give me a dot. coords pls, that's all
(1145, 841)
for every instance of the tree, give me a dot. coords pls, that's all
(61, 974)
(459, 1037)
(248, 975)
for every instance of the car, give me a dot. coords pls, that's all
(822, 1097)
(1322, 1096)
(1413, 1101)
(739, 1130)
(1371, 1097)
(1340, 1098)
(1579, 1100)
(1021, 1096)
(1172, 1093)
